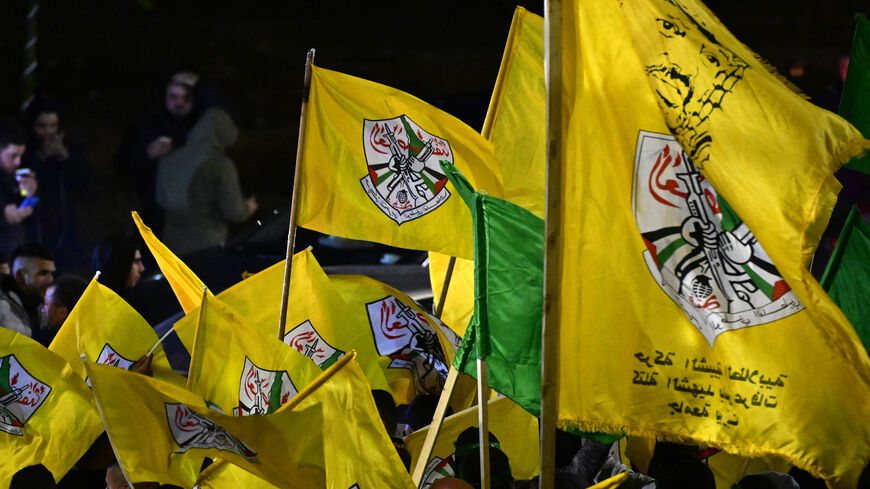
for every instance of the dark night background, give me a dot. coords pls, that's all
(103, 59)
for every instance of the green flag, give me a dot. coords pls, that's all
(855, 102)
(847, 276)
(508, 283)
(508, 299)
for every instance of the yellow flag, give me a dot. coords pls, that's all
(414, 348)
(516, 122)
(682, 324)
(356, 448)
(387, 186)
(161, 433)
(516, 430)
(459, 303)
(186, 285)
(108, 330)
(46, 412)
(238, 367)
(320, 324)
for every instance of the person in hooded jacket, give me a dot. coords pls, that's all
(198, 187)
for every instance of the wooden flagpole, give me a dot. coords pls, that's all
(291, 233)
(552, 247)
(432, 435)
(448, 275)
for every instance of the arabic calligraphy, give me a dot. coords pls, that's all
(704, 388)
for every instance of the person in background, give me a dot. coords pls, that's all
(4, 266)
(155, 137)
(63, 174)
(22, 293)
(198, 187)
(60, 298)
(118, 258)
(17, 189)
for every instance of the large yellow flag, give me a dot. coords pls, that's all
(515, 429)
(161, 433)
(239, 367)
(370, 166)
(109, 331)
(516, 122)
(46, 412)
(694, 186)
(186, 285)
(516, 126)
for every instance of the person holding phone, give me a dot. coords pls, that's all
(15, 187)
(63, 173)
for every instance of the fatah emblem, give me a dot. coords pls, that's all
(108, 356)
(404, 175)
(405, 336)
(262, 391)
(699, 251)
(21, 394)
(307, 341)
(192, 430)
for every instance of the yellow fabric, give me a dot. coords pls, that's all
(240, 368)
(630, 357)
(459, 303)
(516, 122)
(332, 198)
(516, 430)
(611, 483)
(53, 420)
(150, 425)
(359, 291)
(186, 285)
(228, 476)
(356, 448)
(107, 329)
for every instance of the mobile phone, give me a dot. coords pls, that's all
(29, 202)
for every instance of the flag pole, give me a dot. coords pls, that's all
(291, 232)
(446, 285)
(483, 422)
(552, 244)
(434, 427)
